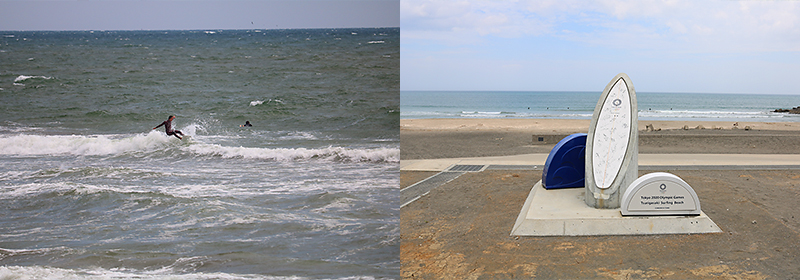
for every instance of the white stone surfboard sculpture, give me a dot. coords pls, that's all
(612, 145)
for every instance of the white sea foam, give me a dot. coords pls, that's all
(708, 114)
(4, 253)
(259, 102)
(298, 135)
(23, 78)
(290, 154)
(25, 190)
(99, 145)
(24, 144)
(480, 114)
(41, 272)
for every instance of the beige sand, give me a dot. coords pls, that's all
(449, 138)
(572, 126)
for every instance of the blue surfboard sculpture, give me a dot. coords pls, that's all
(565, 165)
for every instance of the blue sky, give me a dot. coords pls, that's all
(564, 45)
(18, 15)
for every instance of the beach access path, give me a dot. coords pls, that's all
(748, 181)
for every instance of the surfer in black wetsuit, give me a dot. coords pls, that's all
(246, 123)
(168, 127)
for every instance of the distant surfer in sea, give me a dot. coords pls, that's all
(246, 123)
(168, 127)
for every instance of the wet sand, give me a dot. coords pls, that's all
(461, 230)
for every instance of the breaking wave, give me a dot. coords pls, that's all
(289, 154)
(156, 142)
(23, 78)
(41, 272)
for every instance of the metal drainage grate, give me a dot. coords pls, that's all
(466, 168)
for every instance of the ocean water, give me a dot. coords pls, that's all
(580, 105)
(90, 191)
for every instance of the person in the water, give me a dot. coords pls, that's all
(168, 127)
(246, 123)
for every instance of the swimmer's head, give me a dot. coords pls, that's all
(171, 117)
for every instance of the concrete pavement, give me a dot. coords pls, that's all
(654, 160)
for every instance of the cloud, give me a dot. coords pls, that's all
(466, 21)
(678, 26)
(673, 45)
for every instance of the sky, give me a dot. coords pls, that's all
(695, 46)
(58, 15)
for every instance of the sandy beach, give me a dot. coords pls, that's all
(461, 229)
(572, 125)
(449, 138)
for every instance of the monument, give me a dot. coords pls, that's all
(612, 145)
(657, 203)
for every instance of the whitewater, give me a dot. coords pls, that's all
(155, 142)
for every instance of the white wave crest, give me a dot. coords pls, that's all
(23, 78)
(43, 272)
(290, 154)
(100, 145)
(79, 145)
(259, 102)
(711, 115)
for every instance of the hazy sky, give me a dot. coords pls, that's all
(195, 14)
(564, 45)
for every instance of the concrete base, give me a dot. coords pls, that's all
(563, 212)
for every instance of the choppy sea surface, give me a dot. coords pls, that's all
(757, 107)
(90, 191)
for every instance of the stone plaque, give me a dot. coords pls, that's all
(660, 194)
(612, 145)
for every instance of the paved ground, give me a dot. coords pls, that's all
(683, 161)
(748, 182)
(461, 230)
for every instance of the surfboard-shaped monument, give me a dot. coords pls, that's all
(612, 145)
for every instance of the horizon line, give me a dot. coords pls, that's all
(595, 91)
(197, 29)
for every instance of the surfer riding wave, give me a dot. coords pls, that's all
(168, 127)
